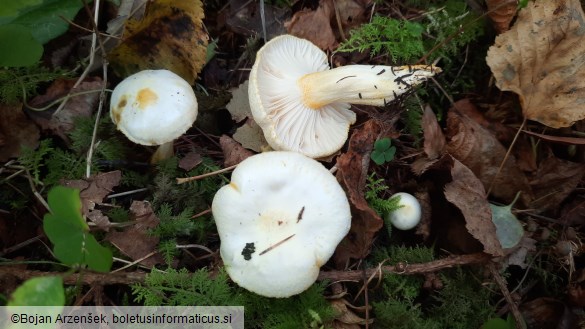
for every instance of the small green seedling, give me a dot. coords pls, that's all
(508, 229)
(383, 151)
(73, 244)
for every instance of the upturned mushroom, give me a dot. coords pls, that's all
(279, 220)
(154, 107)
(302, 105)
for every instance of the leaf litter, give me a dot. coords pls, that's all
(456, 164)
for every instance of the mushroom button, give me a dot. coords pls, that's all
(303, 106)
(279, 220)
(408, 215)
(153, 107)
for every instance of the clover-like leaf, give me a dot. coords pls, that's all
(68, 231)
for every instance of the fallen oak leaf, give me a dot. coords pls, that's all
(540, 59)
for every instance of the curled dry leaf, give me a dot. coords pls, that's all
(314, 25)
(467, 193)
(541, 59)
(93, 190)
(16, 131)
(554, 180)
(352, 173)
(501, 12)
(435, 142)
(169, 36)
(134, 241)
(233, 152)
(81, 106)
(481, 152)
(320, 25)
(239, 105)
(190, 160)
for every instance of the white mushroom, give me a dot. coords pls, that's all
(153, 107)
(303, 106)
(279, 220)
(408, 215)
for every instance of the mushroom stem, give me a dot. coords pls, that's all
(362, 84)
(163, 152)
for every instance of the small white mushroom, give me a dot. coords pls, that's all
(303, 106)
(154, 107)
(279, 220)
(408, 215)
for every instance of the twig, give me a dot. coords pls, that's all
(96, 39)
(111, 196)
(434, 266)
(129, 278)
(520, 324)
(190, 179)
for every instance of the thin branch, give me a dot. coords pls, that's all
(209, 174)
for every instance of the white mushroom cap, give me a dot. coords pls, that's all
(303, 106)
(275, 100)
(408, 215)
(279, 220)
(153, 107)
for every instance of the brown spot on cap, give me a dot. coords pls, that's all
(145, 98)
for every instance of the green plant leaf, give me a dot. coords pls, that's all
(378, 157)
(497, 323)
(25, 50)
(389, 154)
(12, 8)
(46, 19)
(508, 229)
(41, 291)
(382, 144)
(68, 231)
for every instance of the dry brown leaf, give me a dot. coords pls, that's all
(541, 59)
(481, 152)
(169, 36)
(135, 241)
(233, 152)
(554, 180)
(251, 136)
(502, 13)
(190, 161)
(16, 131)
(352, 173)
(81, 106)
(467, 193)
(314, 25)
(434, 144)
(239, 105)
(244, 18)
(93, 190)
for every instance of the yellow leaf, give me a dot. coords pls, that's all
(541, 59)
(169, 36)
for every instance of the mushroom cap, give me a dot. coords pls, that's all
(153, 107)
(279, 220)
(408, 215)
(276, 100)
